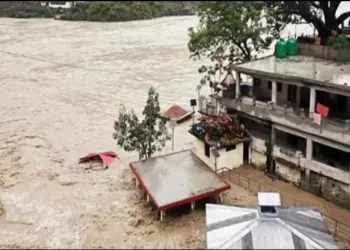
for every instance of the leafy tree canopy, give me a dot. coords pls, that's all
(144, 136)
(321, 14)
(235, 31)
(238, 31)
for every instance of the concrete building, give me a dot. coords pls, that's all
(230, 141)
(59, 4)
(268, 226)
(230, 157)
(278, 107)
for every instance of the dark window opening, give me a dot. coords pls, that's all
(256, 129)
(279, 86)
(337, 104)
(256, 82)
(290, 143)
(268, 209)
(229, 148)
(342, 103)
(292, 93)
(207, 150)
(331, 156)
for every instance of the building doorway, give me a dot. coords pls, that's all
(246, 150)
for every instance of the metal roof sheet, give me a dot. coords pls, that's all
(230, 227)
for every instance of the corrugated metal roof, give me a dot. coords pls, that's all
(230, 227)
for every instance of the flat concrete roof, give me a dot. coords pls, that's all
(301, 68)
(175, 179)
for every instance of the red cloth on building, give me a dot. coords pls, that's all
(323, 110)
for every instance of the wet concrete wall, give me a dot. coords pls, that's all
(288, 173)
(329, 189)
(228, 159)
(258, 153)
(324, 52)
(289, 168)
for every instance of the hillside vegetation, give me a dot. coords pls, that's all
(100, 11)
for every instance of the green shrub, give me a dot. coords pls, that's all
(341, 41)
(31, 11)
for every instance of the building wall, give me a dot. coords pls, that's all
(258, 153)
(258, 160)
(231, 159)
(325, 181)
(199, 150)
(288, 173)
(338, 132)
(330, 189)
(66, 5)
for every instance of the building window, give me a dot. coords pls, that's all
(279, 86)
(257, 82)
(207, 150)
(232, 147)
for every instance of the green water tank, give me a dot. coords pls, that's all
(281, 49)
(292, 47)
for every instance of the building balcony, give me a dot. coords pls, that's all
(291, 158)
(335, 130)
(297, 160)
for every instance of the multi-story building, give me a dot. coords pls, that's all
(277, 106)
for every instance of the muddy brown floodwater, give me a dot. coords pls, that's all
(61, 84)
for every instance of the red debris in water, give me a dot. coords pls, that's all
(105, 158)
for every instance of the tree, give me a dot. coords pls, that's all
(321, 14)
(234, 31)
(146, 136)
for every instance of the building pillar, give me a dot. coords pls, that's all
(162, 215)
(312, 101)
(309, 150)
(298, 96)
(271, 162)
(193, 205)
(274, 92)
(238, 84)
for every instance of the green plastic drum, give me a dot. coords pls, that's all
(292, 47)
(281, 49)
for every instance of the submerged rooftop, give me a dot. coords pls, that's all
(176, 179)
(301, 68)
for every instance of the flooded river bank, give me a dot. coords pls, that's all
(61, 86)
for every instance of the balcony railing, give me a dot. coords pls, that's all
(335, 129)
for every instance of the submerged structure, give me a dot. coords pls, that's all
(268, 226)
(176, 179)
(178, 113)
